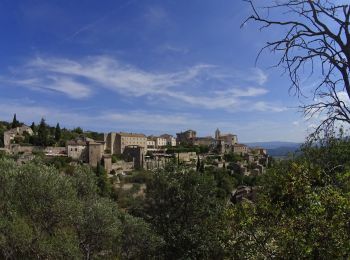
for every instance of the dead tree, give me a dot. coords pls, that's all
(317, 37)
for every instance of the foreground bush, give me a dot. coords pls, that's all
(48, 215)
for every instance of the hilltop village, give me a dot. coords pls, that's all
(120, 152)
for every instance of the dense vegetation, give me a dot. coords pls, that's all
(46, 135)
(45, 214)
(51, 208)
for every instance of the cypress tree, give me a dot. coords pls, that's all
(198, 164)
(33, 127)
(42, 133)
(57, 132)
(15, 123)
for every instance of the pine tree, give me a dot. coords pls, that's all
(57, 132)
(42, 133)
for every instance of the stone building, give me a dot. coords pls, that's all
(259, 151)
(205, 141)
(14, 132)
(115, 143)
(151, 145)
(240, 149)
(86, 150)
(171, 141)
(136, 154)
(186, 137)
(159, 142)
(96, 152)
(78, 150)
(229, 139)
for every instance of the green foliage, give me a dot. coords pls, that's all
(43, 134)
(139, 240)
(224, 182)
(184, 208)
(57, 132)
(78, 130)
(306, 203)
(201, 149)
(47, 215)
(15, 122)
(94, 135)
(103, 182)
(116, 157)
(137, 177)
(233, 157)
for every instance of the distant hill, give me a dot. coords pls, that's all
(277, 148)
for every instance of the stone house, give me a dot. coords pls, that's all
(12, 133)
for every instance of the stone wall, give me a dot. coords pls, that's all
(15, 148)
(95, 153)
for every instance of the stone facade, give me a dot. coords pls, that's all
(229, 139)
(107, 162)
(151, 144)
(205, 141)
(171, 141)
(78, 150)
(136, 154)
(186, 157)
(240, 149)
(186, 137)
(12, 133)
(96, 151)
(115, 143)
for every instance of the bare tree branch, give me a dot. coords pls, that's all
(318, 35)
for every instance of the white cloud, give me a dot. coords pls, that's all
(263, 106)
(78, 79)
(259, 76)
(147, 122)
(156, 15)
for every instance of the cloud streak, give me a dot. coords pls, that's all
(202, 85)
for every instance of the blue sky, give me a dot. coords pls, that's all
(143, 66)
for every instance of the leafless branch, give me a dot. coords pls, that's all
(317, 35)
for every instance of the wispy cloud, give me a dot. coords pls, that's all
(202, 85)
(156, 15)
(145, 121)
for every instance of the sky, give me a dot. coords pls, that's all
(148, 66)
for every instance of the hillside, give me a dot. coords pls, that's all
(277, 148)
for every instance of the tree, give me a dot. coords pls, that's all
(33, 127)
(305, 202)
(317, 36)
(57, 132)
(15, 122)
(102, 181)
(198, 164)
(43, 133)
(185, 210)
(45, 214)
(78, 130)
